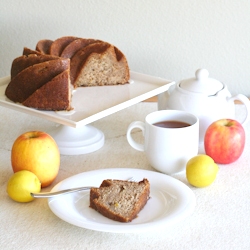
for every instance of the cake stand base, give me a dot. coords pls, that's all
(77, 141)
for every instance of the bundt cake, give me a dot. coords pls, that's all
(120, 200)
(41, 78)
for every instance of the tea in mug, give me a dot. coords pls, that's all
(171, 124)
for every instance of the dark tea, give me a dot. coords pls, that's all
(171, 124)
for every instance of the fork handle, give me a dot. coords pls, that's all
(57, 193)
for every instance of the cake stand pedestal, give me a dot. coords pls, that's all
(76, 141)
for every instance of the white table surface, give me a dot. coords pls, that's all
(221, 219)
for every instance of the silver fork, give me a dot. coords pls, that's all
(57, 193)
(65, 191)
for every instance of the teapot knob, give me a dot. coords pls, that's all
(202, 84)
(201, 74)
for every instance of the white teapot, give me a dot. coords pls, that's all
(204, 97)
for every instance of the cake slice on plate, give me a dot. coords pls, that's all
(120, 200)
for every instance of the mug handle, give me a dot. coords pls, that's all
(131, 141)
(246, 102)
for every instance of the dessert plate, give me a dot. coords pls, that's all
(93, 103)
(170, 202)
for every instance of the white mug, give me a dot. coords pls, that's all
(167, 149)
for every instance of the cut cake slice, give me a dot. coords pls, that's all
(120, 200)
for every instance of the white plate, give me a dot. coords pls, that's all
(170, 201)
(93, 103)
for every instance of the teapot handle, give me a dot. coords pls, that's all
(246, 102)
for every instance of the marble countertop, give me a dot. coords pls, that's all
(220, 219)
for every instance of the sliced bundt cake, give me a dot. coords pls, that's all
(42, 78)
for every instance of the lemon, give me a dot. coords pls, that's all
(21, 184)
(201, 171)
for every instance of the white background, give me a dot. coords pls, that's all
(166, 38)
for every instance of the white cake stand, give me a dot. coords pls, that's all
(74, 135)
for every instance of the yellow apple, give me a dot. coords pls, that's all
(36, 152)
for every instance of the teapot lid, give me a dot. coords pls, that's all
(202, 83)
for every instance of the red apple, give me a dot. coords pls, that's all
(224, 141)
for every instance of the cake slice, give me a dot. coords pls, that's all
(120, 200)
